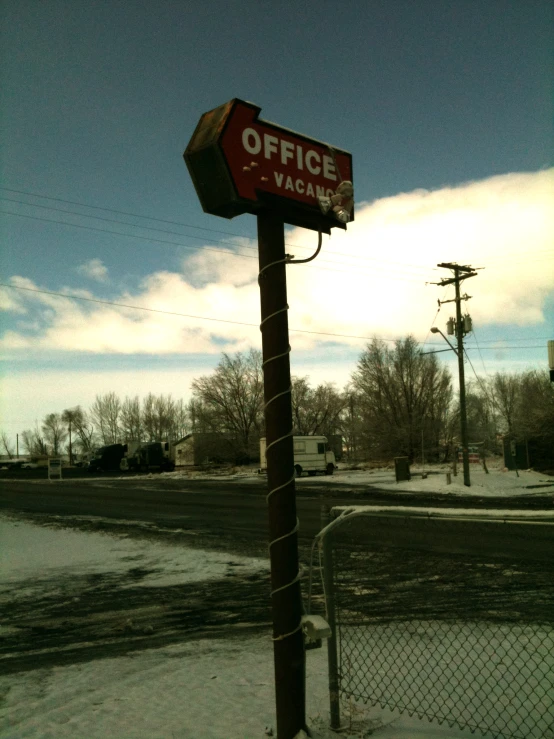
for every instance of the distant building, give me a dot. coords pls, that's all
(213, 448)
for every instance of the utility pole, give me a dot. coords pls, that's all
(288, 639)
(460, 327)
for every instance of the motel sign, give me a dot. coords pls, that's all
(242, 164)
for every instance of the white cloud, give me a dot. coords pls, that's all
(11, 301)
(94, 269)
(369, 280)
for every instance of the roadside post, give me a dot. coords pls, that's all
(332, 652)
(54, 468)
(239, 164)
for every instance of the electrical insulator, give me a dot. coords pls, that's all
(450, 327)
(467, 323)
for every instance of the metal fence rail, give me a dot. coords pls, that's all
(450, 619)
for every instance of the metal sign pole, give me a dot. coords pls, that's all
(288, 639)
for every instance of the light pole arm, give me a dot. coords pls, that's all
(435, 330)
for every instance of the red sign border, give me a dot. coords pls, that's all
(292, 211)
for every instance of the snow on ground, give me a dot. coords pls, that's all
(203, 689)
(33, 553)
(209, 689)
(498, 482)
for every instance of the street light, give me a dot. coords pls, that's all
(436, 330)
(463, 414)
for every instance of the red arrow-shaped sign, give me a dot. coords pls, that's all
(269, 158)
(240, 163)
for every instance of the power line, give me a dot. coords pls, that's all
(490, 398)
(342, 255)
(435, 317)
(172, 313)
(122, 223)
(69, 296)
(119, 212)
(173, 223)
(335, 268)
(479, 350)
(131, 236)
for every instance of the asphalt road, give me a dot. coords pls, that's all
(231, 514)
(77, 618)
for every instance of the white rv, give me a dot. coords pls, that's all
(311, 454)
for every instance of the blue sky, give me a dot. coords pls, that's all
(447, 108)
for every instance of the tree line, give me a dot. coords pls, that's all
(398, 402)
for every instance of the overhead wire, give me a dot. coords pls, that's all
(435, 317)
(479, 350)
(131, 236)
(70, 296)
(178, 223)
(334, 269)
(119, 212)
(342, 255)
(490, 397)
(204, 247)
(218, 231)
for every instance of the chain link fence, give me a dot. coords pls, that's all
(449, 618)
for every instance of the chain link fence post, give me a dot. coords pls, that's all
(328, 579)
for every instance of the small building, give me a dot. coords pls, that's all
(207, 448)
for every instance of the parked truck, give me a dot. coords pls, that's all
(106, 458)
(133, 456)
(152, 454)
(311, 454)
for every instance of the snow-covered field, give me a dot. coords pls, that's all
(431, 479)
(498, 482)
(220, 688)
(208, 689)
(199, 689)
(34, 554)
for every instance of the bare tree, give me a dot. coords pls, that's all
(149, 416)
(84, 429)
(231, 400)
(131, 420)
(6, 443)
(202, 418)
(69, 416)
(402, 392)
(505, 391)
(316, 411)
(534, 415)
(351, 422)
(156, 414)
(54, 432)
(105, 413)
(33, 443)
(163, 418)
(180, 420)
(482, 414)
